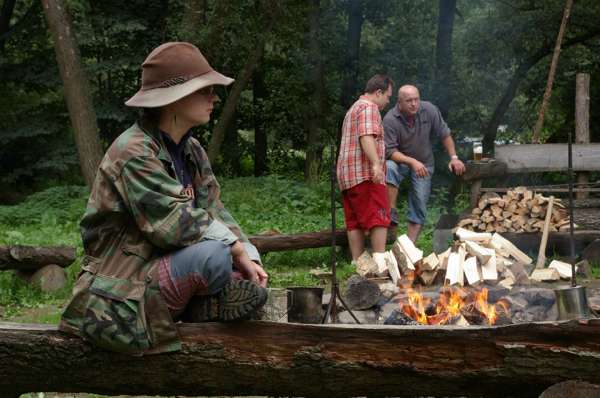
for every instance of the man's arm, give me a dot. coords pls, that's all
(369, 147)
(456, 165)
(392, 152)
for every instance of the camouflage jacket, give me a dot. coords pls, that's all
(136, 213)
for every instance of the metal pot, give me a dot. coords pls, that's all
(572, 303)
(306, 304)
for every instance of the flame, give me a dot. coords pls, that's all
(451, 304)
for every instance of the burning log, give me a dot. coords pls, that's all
(398, 317)
(455, 306)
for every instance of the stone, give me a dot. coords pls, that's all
(398, 317)
(364, 317)
(592, 252)
(388, 289)
(49, 278)
(516, 303)
(530, 314)
(520, 273)
(536, 296)
(572, 389)
(495, 293)
(361, 293)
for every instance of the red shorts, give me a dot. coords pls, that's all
(366, 206)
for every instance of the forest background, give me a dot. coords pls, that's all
(298, 66)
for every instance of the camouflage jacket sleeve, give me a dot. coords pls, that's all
(166, 217)
(216, 207)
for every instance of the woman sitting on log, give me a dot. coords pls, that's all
(155, 233)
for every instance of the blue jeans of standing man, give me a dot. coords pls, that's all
(420, 189)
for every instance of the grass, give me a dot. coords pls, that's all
(263, 204)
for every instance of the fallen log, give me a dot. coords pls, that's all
(279, 359)
(34, 257)
(308, 240)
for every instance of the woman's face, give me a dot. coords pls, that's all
(196, 108)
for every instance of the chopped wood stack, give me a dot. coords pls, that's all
(485, 257)
(519, 210)
(475, 257)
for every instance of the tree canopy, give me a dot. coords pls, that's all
(298, 66)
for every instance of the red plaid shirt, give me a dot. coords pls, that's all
(353, 166)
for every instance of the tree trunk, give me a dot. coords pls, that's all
(443, 55)
(535, 139)
(193, 19)
(582, 122)
(5, 15)
(259, 91)
(281, 359)
(231, 102)
(355, 21)
(77, 91)
(491, 129)
(32, 257)
(315, 108)
(307, 240)
(232, 152)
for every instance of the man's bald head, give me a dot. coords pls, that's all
(408, 99)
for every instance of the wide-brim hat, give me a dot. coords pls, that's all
(172, 71)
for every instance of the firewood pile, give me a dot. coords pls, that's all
(475, 258)
(519, 210)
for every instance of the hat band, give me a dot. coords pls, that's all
(174, 81)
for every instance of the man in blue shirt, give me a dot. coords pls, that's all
(409, 128)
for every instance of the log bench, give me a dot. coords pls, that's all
(42, 266)
(282, 359)
(306, 240)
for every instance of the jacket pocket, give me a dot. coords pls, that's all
(114, 318)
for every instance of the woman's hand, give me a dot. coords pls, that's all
(249, 269)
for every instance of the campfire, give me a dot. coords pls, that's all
(455, 306)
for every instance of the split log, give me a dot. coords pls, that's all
(34, 257)
(277, 359)
(308, 240)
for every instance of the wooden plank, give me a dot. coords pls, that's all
(464, 235)
(489, 271)
(471, 272)
(501, 243)
(408, 247)
(541, 188)
(529, 158)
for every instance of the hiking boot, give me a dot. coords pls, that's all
(239, 299)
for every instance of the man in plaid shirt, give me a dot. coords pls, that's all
(361, 169)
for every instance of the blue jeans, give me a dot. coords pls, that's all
(420, 189)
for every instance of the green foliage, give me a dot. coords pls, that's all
(49, 217)
(266, 204)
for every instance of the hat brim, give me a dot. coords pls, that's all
(158, 97)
